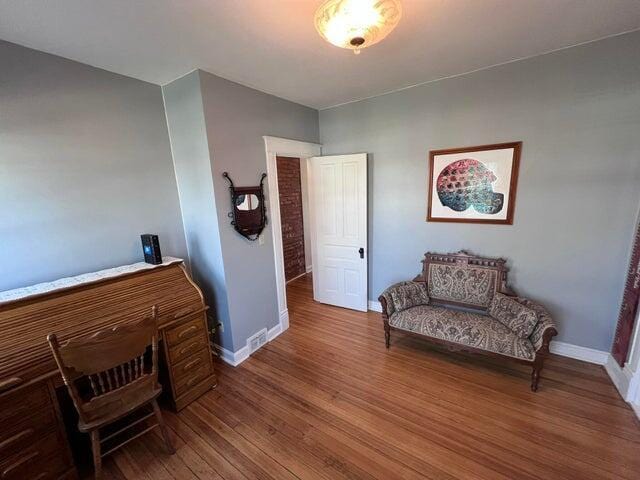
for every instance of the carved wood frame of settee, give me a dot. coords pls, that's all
(463, 258)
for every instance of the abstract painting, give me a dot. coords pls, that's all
(474, 184)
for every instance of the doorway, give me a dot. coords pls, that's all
(336, 228)
(282, 147)
(294, 217)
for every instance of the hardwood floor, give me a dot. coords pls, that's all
(326, 400)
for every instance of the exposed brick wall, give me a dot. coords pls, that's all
(290, 190)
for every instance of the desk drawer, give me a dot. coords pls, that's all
(187, 348)
(41, 460)
(190, 329)
(188, 359)
(26, 431)
(23, 401)
(188, 380)
(191, 364)
(25, 415)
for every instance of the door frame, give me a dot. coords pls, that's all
(274, 147)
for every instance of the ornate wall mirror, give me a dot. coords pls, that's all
(249, 214)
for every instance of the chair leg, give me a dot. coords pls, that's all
(97, 454)
(163, 428)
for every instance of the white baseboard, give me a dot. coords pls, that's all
(236, 358)
(232, 358)
(618, 376)
(309, 268)
(284, 320)
(585, 354)
(627, 383)
(297, 277)
(274, 332)
(375, 306)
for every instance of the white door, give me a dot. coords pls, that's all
(338, 192)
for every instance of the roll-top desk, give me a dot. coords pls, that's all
(33, 442)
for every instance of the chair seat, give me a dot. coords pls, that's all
(120, 405)
(463, 328)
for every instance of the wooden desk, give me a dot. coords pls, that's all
(33, 441)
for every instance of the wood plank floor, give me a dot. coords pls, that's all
(326, 400)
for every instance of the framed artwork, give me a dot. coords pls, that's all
(473, 184)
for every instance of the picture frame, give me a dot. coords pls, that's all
(474, 184)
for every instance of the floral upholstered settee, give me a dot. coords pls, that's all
(463, 302)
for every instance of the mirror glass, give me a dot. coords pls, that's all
(247, 202)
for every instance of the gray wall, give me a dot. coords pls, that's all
(187, 130)
(237, 117)
(85, 168)
(577, 112)
(217, 126)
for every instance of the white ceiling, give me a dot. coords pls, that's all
(272, 45)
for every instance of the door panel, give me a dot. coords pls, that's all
(339, 205)
(329, 215)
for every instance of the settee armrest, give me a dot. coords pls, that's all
(545, 330)
(386, 301)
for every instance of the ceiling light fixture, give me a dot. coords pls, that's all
(357, 24)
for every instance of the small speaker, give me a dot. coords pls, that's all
(151, 249)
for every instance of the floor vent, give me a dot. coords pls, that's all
(256, 341)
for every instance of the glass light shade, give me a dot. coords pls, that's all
(357, 24)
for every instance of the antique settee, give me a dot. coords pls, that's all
(463, 302)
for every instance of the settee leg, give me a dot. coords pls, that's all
(535, 375)
(387, 334)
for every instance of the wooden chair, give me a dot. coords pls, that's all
(111, 374)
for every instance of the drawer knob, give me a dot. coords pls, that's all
(187, 331)
(192, 380)
(191, 364)
(188, 348)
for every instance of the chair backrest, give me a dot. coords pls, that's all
(463, 279)
(102, 369)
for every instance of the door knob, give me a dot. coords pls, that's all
(361, 252)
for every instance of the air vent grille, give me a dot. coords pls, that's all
(257, 340)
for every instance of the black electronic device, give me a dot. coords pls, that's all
(151, 249)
